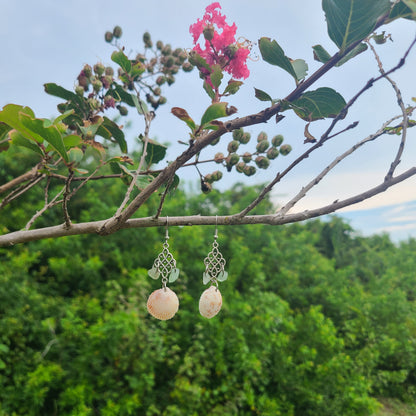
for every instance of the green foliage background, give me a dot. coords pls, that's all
(315, 320)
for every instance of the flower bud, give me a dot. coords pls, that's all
(97, 85)
(262, 162)
(262, 146)
(238, 134)
(147, 40)
(93, 103)
(245, 138)
(162, 100)
(87, 70)
(159, 45)
(79, 90)
(277, 140)
(99, 69)
(206, 187)
(117, 32)
(160, 80)
(247, 157)
(249, 170)
(262, 136)
(170, 79)
(285, 149)
(167, 50)
(219, 158)
(157, 91)
(233, 146)
(122, 110)
(109, 71)
(272, 153)
(108, 37)
(208, 32)
(230, 51)
(107, 81)
(187, 67)
(208, 178)
(109, 101)
(233, 159)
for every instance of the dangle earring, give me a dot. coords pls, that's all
(163, 303)
(210, 301)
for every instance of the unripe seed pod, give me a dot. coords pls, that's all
(262, 136)
(219, 158)
(177, 52)
(108, 36)
(262, 146)
(262, 162)
(208, 178)
(249, 170)
(159, 45)
(170, 79)
(240, 167)
(122, 110)
(117, 32)
(230, 51)
(174, 70)
(238, 134)
(277, 140)
(187, 67)
(160, 80)
(247, 157)
(245, 138)
(162, 100)
(272, 153)
(233, 146)
(169, 62)
(233, 159)
(206, 188)
(107, 81)
(157, 91)
(217, 175)
(146, 37)
(285, 149)
(167, 50)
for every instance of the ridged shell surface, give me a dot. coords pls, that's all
(210, 302)
(163, 304)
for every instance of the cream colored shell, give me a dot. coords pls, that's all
(163, 304)
(210, 302)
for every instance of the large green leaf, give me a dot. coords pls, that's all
(58, 91)
(119, 94)
(50, 133)
(155, 152)
(321, 103)
(405, 9)
(352, 20)
(110, 129)
(19, 140)
(272, 53)
(214, 111)
(120, 58)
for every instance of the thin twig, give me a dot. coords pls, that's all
(67, 193)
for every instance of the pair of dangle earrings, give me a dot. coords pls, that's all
(163, 303)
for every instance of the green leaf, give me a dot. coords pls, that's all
(63, 116)
(108, 126)
(153, 273)
(58, 91)
(262, 96)
(143, 180)
(232, 87)
(119, 94)
(216, 75)
(405, 9)
(4, 129)
(300, 67)
(51, 133)
(362, 47)
(272, 53)
(155, 152)
(140, 105)
(321, 103)
(213, 112)
(320, 54)
(208, 89)
(349, 21)
(19, 140)
(222, 276)
(72, 140)
(121, 59)
(75, 155)
(90, 129)
(137, 69)
(174, 274)
(183, 115)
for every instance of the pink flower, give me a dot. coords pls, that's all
(220, 46)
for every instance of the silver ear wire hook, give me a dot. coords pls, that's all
(216, 229)
(167, 229)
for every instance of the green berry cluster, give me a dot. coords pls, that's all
(248, 163)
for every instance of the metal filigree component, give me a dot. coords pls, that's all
(214, 265)
(164, 265)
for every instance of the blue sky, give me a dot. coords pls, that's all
(50, 41)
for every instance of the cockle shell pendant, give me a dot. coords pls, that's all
(210, 302)
(163, 304)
